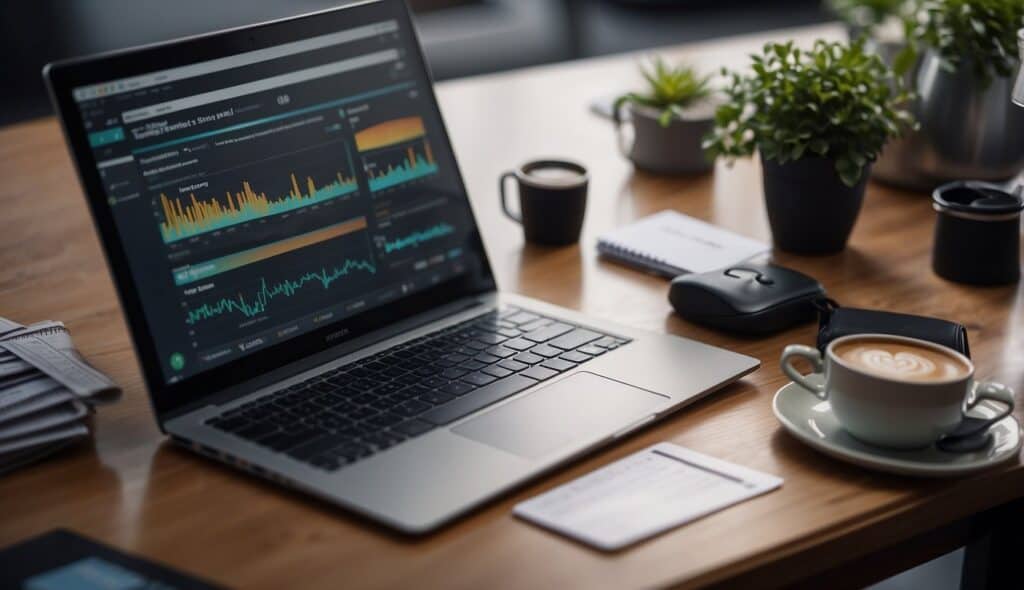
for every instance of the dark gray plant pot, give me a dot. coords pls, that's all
(674, 149)
(810, 210)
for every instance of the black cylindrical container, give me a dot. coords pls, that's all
(977, 233)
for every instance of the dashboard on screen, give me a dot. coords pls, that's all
(268, 193)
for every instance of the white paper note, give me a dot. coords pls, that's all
(644, 494)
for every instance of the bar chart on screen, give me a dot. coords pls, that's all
(395, 152)
(192, 215)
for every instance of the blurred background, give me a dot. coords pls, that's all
(460, 37)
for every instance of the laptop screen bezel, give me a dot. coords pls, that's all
(63, 77)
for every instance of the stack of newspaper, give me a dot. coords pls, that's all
(47, 392)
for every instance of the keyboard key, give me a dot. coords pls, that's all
(472, 365)
(434, 381)
(412, 408)
(576, 357)
(518, 344)
(409, 379)
(456, 388)
(545, 350)
(539, 373)
(414, 427)
(535, 324)
(558, 365)
(455, 357)
(529, 358)
(361, 413)
(487, 359)
(454, 373)
(548, 332)
(480, 398)
(387, 388)
(512, 365)
(477, 345)
(329, 422)
(410, 392)
(306, 409)
(500, 351)
(478, 378)
(497, 371)
(490, 338)
(364, 399)
(283, 418)
(510, 332)
(383, 404)
(577, 337)
(521, 317)
(592, 350)
(607, 342)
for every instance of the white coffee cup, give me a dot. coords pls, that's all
(890, 399)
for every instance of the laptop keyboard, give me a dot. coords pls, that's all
(351, 412)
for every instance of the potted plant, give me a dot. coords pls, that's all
(964, 55)
(818, 118)
(669, 120)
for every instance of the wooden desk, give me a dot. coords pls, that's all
(134, 490)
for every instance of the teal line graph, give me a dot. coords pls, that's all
(258, 303)
(416, 238)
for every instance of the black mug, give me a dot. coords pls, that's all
(977, 233)
(552, 200)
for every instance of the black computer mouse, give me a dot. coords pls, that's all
(753, 299)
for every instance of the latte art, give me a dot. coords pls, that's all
(894, 359)
(901, 364)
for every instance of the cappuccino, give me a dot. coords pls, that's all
(900, 360)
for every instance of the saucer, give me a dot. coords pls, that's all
(812, 421)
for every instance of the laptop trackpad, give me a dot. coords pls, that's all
(576, 409)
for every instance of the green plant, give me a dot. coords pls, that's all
(670, 89)
(835, 101)
(980, 32)
(866, 13)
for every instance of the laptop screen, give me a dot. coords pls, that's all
(264, 194)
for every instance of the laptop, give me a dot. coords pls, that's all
(306, 286)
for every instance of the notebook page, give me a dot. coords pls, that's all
(683, 242)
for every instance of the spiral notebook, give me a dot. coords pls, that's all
(670, 244)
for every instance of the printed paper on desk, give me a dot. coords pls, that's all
(644, 494)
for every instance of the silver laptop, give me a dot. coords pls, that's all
(306, 285)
